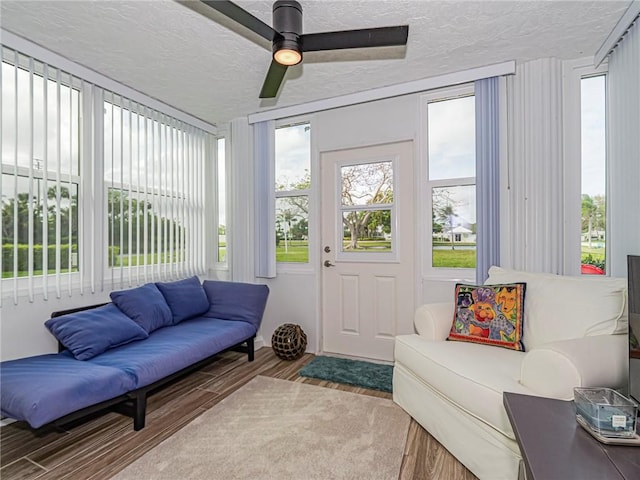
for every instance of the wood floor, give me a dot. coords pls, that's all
(100, 447)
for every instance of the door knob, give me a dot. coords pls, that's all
(327, 263)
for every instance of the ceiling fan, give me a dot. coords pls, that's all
(288, 41)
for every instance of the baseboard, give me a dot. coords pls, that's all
(6, 421)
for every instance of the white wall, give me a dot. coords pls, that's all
(295, 296)
(537, 183)
(22, 329)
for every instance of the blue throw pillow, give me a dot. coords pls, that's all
(90, 332)
(186, 298)
(236, 301)
(144, 305)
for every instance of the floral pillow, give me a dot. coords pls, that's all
(489, 314)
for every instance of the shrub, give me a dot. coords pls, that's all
(589, 259)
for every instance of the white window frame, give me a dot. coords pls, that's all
(215, 198)
(427, 185)
(300, 267)
(573, 73)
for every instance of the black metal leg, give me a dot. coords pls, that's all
(139, 410)
(250, 349)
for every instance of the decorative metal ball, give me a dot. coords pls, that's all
(289, 341)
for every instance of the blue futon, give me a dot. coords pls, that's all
(113, 355)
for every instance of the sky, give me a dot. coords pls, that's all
(68, 119)
(222, 187)
(593, 135)
(293, 153)
(452, 150)
(452, 139)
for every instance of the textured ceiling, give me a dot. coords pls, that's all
(213, 69)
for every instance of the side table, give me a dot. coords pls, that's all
(554, 446)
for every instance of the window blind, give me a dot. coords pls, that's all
(40, 175)
(487, 176)
(95, 187)
(154, 174)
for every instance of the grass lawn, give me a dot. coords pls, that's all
(122, 260)
(596, 253)
(36, 273)
(370, 246)
(297, 251)
(454, 258)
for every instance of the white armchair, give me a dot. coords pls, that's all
(574, 335)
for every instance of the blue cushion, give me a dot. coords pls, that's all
(44, 388)
(145, 305)
(186, 298)
(236, 301)
(90, 332)
(171, 349)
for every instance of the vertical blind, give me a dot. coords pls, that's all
(40, 124)
(263, 153)
(154, 172)
(623, 195)
(487, 176)
(145, 179)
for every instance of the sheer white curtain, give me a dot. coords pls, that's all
(624, 150)
(487, 94)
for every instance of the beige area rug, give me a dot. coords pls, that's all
(277, 429)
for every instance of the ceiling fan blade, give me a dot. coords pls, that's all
(273, 80)
(234, 12)
(363, 38)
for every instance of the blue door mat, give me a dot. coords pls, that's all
(351, 372)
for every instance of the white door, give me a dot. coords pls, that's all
(368, 230)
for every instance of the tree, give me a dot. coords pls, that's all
(283, 220)
(125, 214)
(600, 220)
(60, 220)
(589, 209)
(445, 216)
(367, 184)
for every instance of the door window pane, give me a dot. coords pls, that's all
(366, 231)
(367, 184)
(369, 187)
(454, 227)
(452, 139)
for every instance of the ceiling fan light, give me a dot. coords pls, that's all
(287, 56)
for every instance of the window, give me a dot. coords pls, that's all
(451, 181)
(593, 178)
(366, 204)
(113, 196)
(222, 202)
(293, 183)
(153, 171)
(40, 167)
